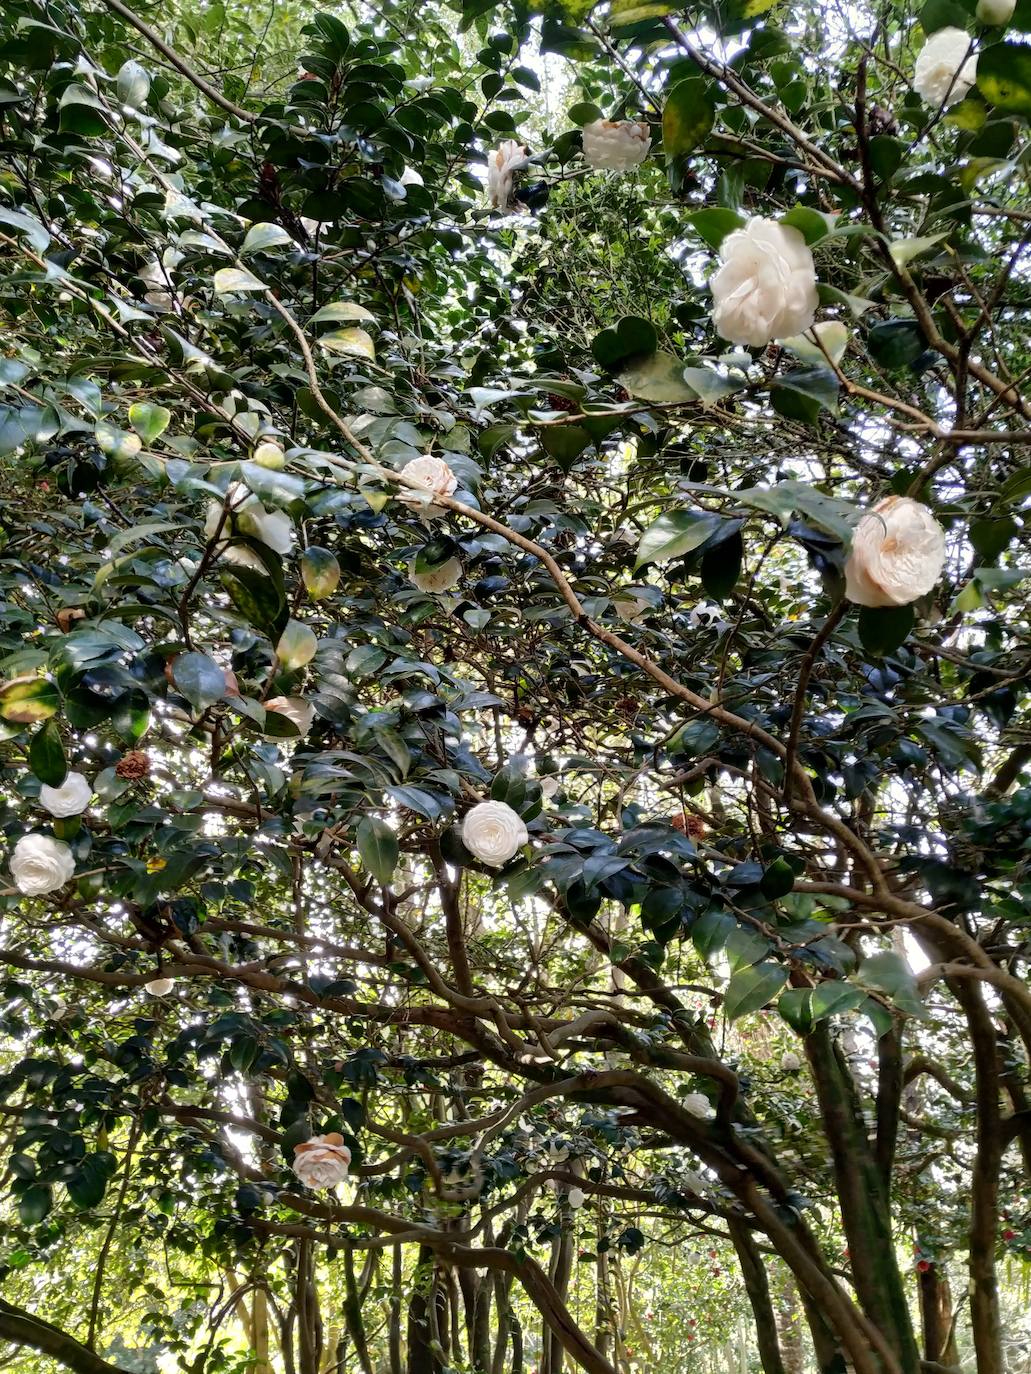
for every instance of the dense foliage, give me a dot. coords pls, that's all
(383, 433)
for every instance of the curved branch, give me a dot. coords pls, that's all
(23, 1329)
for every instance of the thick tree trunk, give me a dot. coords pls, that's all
(863, 1199)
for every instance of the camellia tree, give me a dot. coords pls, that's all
(514, 687)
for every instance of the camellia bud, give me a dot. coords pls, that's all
(995, 11)
(320, 572)
(269, 455)
(297, 645)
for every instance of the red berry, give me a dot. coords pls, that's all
(923, 1266)
(1008, 1235)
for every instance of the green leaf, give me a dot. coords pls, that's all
(88, 1184)
(236, 279)
(991, 536)
(804, 393)
(1004, 77)
(564, 443)
(34, 1204)
(943, 14)
(709, 386)
(46, 755)
(259, 598)
(904, 251)
(812, 224)
(148, 420)
(261, 237)
(320, 572)
(778, 879)
(721, 567)
(81, 112)
(687, 117)
(831, 999)
(132, 84)
(623, 13)
(714, 223)
(673, 535)
(199, 678)
(377, 844)
(28, 225)
(351, 343)
(883, 629)
(795, 1005)
(28, 700)
(658, 380)
(889, 973)
(341, 311)
(627, 339)
(583, 112)
(751, 988)
(895, 344)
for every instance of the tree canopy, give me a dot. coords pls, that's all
(515, 745)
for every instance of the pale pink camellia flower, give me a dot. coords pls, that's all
(616, 145)
(502, 164)
(944, 72)
(493, 832)
(435, 476)
(766, 286)
(898, 552)
(440, 579)
(159, 987)
(301, 712)
(70, 799)
(322, 1161)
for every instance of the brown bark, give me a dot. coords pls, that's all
(757, 1286)
(936, 1316)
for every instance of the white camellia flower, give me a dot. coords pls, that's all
(550, 784)
(440, 579)
(410, 177)
(790, 1062)
(898, 552)
(576, 1198)
(159, 987)
(301, 712)
(437, 478)
(616, 145)
(70, 799)
(40, 864)
(995, 11)
(699, 1105)
(248, 517)
(322, 1161)
(766, 286)
(493, 832)
(502, 164)
(944, 73)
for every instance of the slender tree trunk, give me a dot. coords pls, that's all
(985, 1317)
(394, 1320)
(936, 1316)
(353, 1314)
(789, 1322)
(757, 1286)
(422, 1318)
